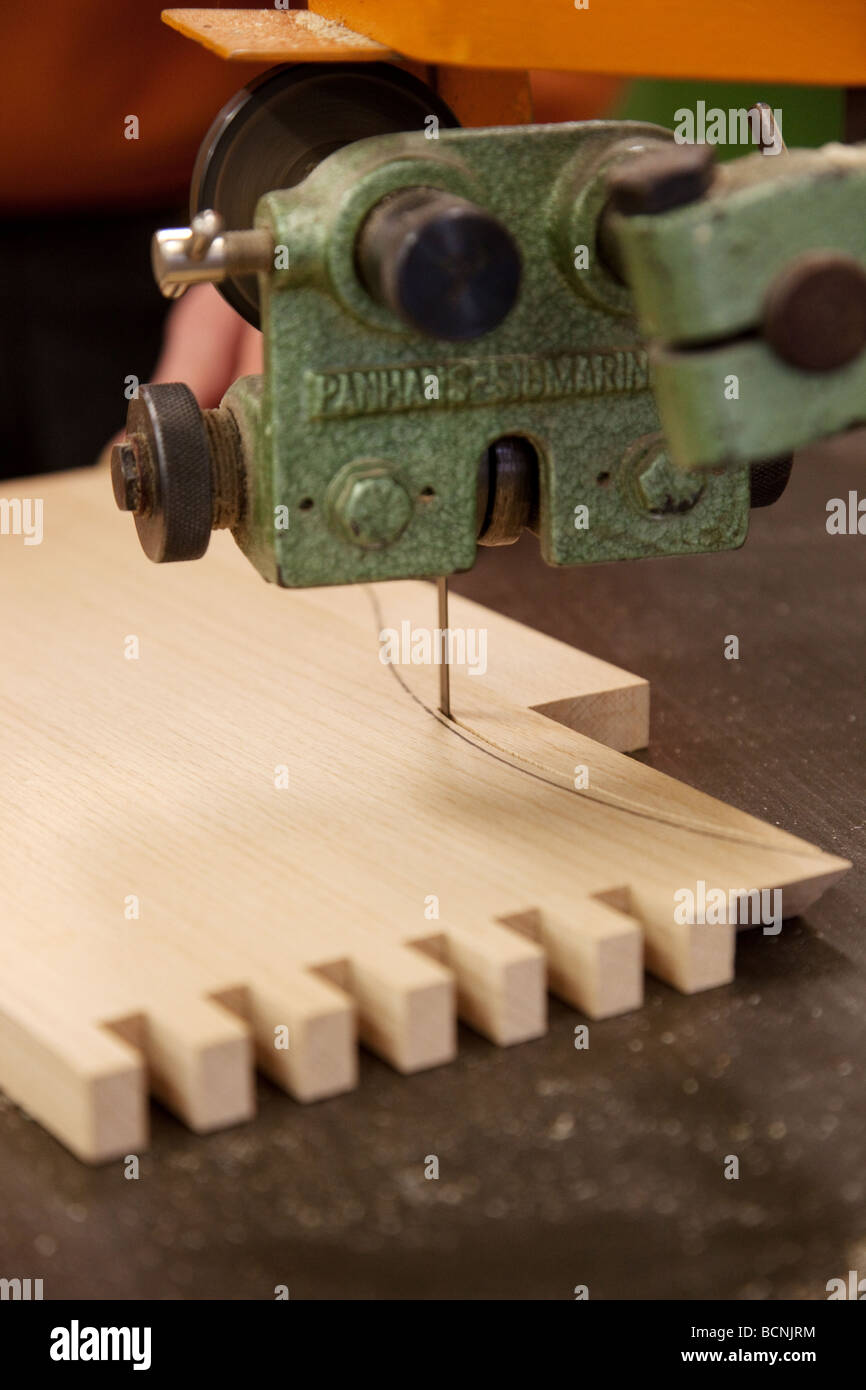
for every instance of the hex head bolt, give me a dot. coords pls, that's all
(370, 504)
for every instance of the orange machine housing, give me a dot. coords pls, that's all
(734, 40)
(792, 41)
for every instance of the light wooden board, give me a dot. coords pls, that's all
(306, 910)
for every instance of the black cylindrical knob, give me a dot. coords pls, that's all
(815, 311)
(661, 179)
(444, 266)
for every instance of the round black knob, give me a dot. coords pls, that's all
(162, 473)
(444, 266)
(815, 311)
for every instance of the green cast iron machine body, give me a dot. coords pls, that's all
(602, 337)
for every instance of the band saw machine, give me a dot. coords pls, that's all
(585, 330)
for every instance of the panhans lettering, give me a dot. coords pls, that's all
(474, 382)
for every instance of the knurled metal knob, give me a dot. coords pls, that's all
(179, 471)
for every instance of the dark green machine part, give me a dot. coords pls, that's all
(752, 297)
(279, 127)
(358, 415)
(451, 352)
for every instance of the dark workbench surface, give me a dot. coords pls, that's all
(561, 1167)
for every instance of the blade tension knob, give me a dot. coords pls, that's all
(445, 267)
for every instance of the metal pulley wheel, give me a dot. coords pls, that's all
(276, 130)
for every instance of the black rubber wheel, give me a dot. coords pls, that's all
(276, 130)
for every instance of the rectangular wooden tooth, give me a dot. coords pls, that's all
(85, 1086)
(594, 954)
(406, 1006)
(689, 956)
(501, 980)
(199, 1060)
(317, 1021)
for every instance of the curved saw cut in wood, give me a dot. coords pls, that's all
(235, 831)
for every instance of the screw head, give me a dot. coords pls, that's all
(126, 476)
(815, 311)
(663, 489)
(370, 504)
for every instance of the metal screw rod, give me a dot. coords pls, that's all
(184, 256)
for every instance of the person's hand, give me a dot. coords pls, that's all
(207, 346)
